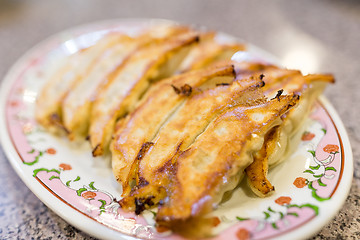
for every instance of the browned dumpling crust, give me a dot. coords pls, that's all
(184, 123)
(218, 155)
(176, 145)
(157, 106)
(276, 146)
(183, 126)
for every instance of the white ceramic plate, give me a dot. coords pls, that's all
(311, 185)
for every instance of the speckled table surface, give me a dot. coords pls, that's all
(327, 31)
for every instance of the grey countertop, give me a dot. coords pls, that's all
(328, 31)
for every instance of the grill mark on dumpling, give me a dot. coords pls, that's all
(170, 165)
(222, 84)
(185, 90)
(134, 170)
(56, 120)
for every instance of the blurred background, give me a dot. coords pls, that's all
(314, 36)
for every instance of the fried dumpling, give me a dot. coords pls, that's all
(75, 68)
(76, 107)
(278, 144)
(217, 159)
(182, 129)
(185, 123)
(142, 125)
(77, 104)
(130, 82)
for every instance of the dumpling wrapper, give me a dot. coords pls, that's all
(182, 128)
(280, 143)
(76, 107)
(217, 159)
(208, 51)
(130, 82)
(144, 122)
(75, 68)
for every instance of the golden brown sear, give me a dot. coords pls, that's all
(276, 147)
(184, 123)
(216, 160)
(188, 163)
(182, 127)
(143, 124)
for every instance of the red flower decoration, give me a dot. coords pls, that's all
(51, 151)
(215, 221)
(331, 148)
(307, 136)
(283, 200)
(300, 182)
(65, 166)
(14, 103)
(88, 195)
(242, 234)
